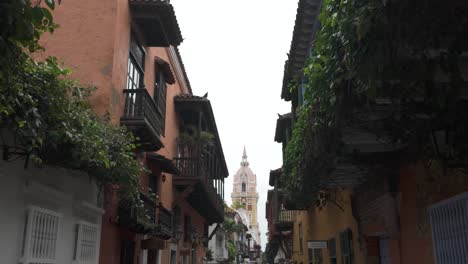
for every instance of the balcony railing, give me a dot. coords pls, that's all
(285, 218)
(142, 117)
(137, 219)
(195, 168)
(164, 223)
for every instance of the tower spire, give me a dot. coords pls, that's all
(244, 162)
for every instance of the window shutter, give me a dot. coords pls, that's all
(162, 90)
(41, 234)
(449, 223)
(87, 244)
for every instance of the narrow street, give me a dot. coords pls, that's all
(222, 132)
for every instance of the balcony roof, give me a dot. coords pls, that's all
(157, 21)
(166, 69)
(166, 165)
(303, 36)
(197, 103)
(282, 123)
(274, 174)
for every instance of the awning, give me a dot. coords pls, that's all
(166, 165)
(166, 69)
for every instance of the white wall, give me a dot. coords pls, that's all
(53, 189)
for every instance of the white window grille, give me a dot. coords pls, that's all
(449, 223)
(40, 237)
(86, 244)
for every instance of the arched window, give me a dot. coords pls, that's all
(243, 187)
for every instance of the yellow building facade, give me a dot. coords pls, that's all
(331, 222)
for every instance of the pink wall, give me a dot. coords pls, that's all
(93, 41)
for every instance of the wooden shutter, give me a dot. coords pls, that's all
(160, 91)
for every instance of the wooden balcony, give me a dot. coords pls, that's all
(206, 194)
(285, 219)
(136, 219)
(142, 118)
(163, 228)
(157, 21)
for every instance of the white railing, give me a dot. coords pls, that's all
(449, 223)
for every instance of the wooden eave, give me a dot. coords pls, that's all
(282, 123)
(165, 164)
(303, 36)
(157, 21)
(274, 174)
(166, 69)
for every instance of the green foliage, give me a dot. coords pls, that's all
(238, 205)
(232, 227)
(48, 113)
(271, 250)
(23, 22)
(232, 251)
(366, 50)
(209, 255)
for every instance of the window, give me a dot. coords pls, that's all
(153, 183)
(136, 64)
(127, 252)
(86, 243)
(315, 256)
(40, 237)
(449, 224)
(244, 187)
(187, 226)
(301, 249)
(332, 250)
(160, 91)
(346, 243)
(194, 256)
(176, 223)
(173, 257)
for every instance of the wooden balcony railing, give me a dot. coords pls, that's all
(137, 219)
(196, 168)
(164, 223)
(142, 117)
(286, 217)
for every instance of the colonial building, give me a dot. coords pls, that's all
(381, 201)
(128, 51)
(245, 194)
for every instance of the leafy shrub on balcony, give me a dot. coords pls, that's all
(136, 216)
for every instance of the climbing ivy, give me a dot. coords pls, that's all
(47, 113)
(365, 51)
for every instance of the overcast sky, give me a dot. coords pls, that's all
(235, 51)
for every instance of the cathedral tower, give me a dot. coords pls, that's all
(245, 194)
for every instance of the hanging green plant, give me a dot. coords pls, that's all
(366, 52)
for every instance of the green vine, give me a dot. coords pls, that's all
(365, 51)
(48, 114)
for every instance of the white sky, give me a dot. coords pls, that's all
(235, 51)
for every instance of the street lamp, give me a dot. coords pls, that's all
(249, 237)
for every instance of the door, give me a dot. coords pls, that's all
(384, 251)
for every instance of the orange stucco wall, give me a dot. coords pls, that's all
(93, 41)
(421, 186)
(326, 223)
